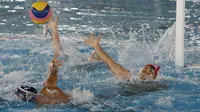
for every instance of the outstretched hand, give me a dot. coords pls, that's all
(92, 41)
(53, 23)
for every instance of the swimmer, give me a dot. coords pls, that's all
(148, 73)
(50, 93)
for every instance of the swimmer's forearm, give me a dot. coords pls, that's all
(104, 56)
(56, 40)
(55, 43)
(107, 59)
(116, 68)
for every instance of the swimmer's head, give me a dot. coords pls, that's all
(149, 72)
(94, 57)
(26, 93)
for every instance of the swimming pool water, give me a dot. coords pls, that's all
(131, 30)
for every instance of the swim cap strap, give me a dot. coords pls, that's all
(26, 93)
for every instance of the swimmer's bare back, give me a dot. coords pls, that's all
(52, 96)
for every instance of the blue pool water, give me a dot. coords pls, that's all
(133, 33)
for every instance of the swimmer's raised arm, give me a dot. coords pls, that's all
(55, 41)
(117, 69)
(51, 93)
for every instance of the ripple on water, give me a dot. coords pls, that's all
(11, 11)
(165, 101)
(6, 7)
(2, 23)
(18, 7)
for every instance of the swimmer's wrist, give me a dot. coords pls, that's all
(97, 47)
(54, 29)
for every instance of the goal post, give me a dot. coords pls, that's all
(180, 31)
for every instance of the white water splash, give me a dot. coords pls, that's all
(15, 77)
(165, 101)
(165, 47)
(81, 96)
(134, 54)
(9, 82)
